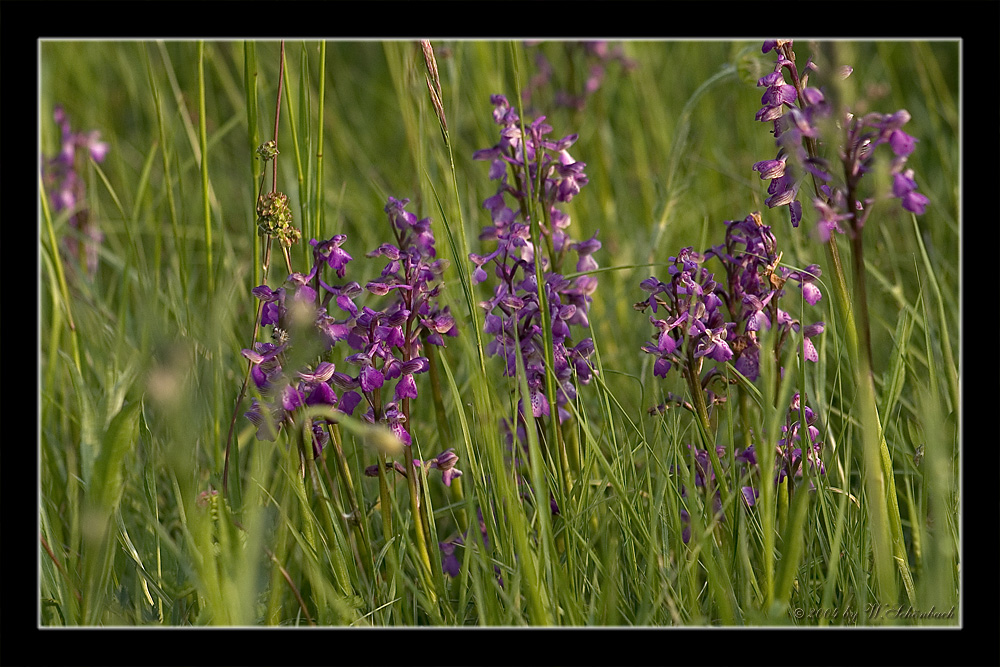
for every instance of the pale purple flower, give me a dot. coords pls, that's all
(905, 188)
(829, 219)
(585, 251)
(807, 280)
(445, 462)
(65, 185)
(901, 143)
(330, 253)
(518, 164)
(808, 349)
(449, 561)
(795, 111)
(691, 317)
(592, 61)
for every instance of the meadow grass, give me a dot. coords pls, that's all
(141, 364)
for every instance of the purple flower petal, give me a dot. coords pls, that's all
(324, 371)
(901, 143)
(348, 402)
(371, 378)
(416, 365)
(914, 202)
(406, 388)
(291, 398)
(322, 394)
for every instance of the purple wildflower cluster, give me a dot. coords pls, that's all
(755, 284)
(597, 57)
(386, 342)
(798, 113)
(535, 176)
(697, 317)
(688, 318)
(67, 190)
(703, 318)
(787, 463)
(790, 455)
(530, 170)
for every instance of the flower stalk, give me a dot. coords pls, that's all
(267, 152)
(801, 115)
(534, 305)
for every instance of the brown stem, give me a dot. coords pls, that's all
(246, 378)
(267, 262)
(59, 566)
(291, 584)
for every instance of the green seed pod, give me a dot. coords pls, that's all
(267, 151)
(274, 216)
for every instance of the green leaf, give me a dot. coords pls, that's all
(89, 429)
(895, 377)
(107, 482)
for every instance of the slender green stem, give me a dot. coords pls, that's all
(884, 503)
(705, 429)
(180, 250)
(203, 144)
(326, 502)
(357, 519)
(861, 299)
(253, 136)
(460, 246)
(265, 271)
(535, 202)
(291, 585)
(415, 504)
(320, 208)
(292, 126)
(385, 504)
(420, 519)
(60, 274)
(444, 428)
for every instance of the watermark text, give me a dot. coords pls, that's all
(874, 613)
